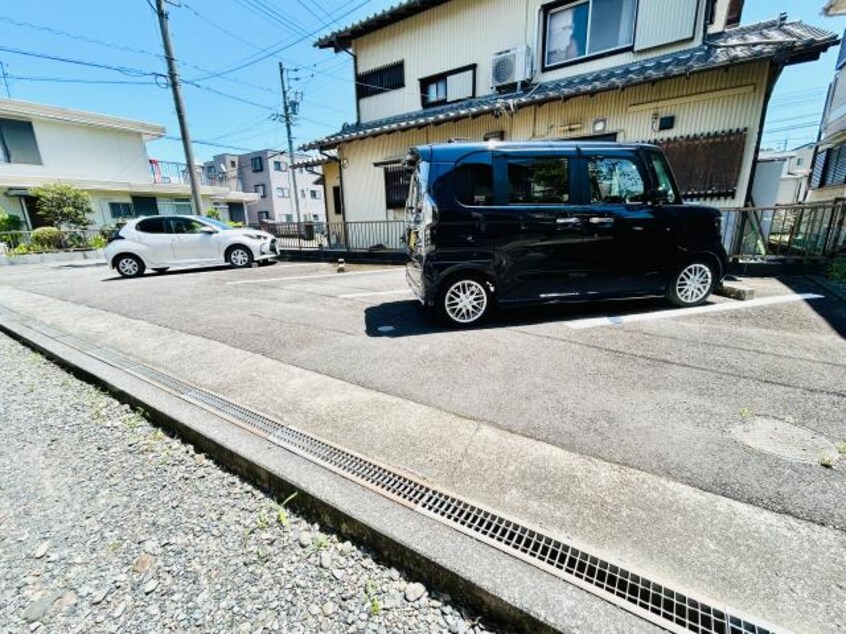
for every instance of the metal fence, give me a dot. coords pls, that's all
(372, 237)
(22, 242)
(807, 231)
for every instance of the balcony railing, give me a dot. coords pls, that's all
(171, 173)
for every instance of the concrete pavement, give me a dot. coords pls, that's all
(781, 568)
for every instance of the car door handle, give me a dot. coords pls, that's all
(600, 220)
(567, 221)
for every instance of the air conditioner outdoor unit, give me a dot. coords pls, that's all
(511, 67)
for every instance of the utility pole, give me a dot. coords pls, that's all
(173, 75)
(288, 115)
(5, 79)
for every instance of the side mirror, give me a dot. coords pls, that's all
(208, 230)
(657, 197)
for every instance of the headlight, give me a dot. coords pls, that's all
(255, 236)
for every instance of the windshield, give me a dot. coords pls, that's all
(217, 224)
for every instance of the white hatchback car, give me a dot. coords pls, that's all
(162, 242)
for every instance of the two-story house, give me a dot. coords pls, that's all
(270, 175)
(105, 156)
(679, 73)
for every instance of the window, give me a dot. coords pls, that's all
(454, 85)
(397, 182)
(289, 217)
(474, 182)
(232, 164)
(665, 180)
(210, 171)
(17, 142)
(264, 215)
(380, 80)
(121, 210)
(316, 194)
(302, 193)
(588, 27)
(279, 166)
(835, 167)
(283, 192)
(614, 181)
(184, 225)
(257, 164)
(538, 181)
(261, 190)
(151, 225)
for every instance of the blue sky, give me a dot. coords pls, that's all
(234, 109)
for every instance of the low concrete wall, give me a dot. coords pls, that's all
(53, 258)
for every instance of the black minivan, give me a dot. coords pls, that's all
(507, 223)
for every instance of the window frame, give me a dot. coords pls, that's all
(426, 81)
(369, 83)
(151, 220)
(552, 7)
(280, 166)
(257, 161)
(113, 203)
(260, 188)
(572, 174)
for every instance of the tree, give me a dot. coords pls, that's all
(63, 204)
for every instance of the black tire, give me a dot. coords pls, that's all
(465, 301)
(692, 284)
(239, 257)
(128, 265)
(160, 270)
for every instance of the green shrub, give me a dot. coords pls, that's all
(47, 238)
(236, 225)
(21, 249)
(8, 222)
(837, 269)
(63, 205)
(97, 242)
(213, 213)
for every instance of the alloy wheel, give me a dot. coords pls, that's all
(694, 283)
(466, 301)
(239, 257)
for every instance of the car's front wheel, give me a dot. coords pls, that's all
(465, 302)
(239, 257)
(692, 285)
(129, 265)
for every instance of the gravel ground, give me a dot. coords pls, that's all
(107, 524)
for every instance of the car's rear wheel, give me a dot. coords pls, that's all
(465, 302)
(692, 285)
(239, 257)
(128, 265)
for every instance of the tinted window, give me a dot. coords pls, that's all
(662, 173)
(151, 225)
(615, 180)
(474, 182)
(184, 225)
(538, 181)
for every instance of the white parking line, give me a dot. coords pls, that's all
(337, 276)
(595, 322)
(404, 291)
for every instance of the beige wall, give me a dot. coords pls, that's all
(706, 102)
(465, 32)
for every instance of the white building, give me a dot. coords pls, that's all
(105, 156)
(781, 178)
(269, 175)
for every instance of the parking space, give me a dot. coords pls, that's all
(678, 393)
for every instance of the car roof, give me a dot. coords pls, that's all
(453, 151)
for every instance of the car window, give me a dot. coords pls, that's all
(474, 182)
(662, 172)
(151, 225)
(185, 225)
(615, 180)
(538, 181)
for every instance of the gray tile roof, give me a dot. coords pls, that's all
(792, 42)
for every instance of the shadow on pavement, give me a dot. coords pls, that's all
(832, 309)
(409, 319)
(150, 273)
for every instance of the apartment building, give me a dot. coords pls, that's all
(103, 155)
(269, 174)
(683, 74)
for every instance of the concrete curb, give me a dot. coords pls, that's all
(487, 574)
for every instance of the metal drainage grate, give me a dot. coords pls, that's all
(656, 602)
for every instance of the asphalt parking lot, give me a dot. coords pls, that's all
(739, 399)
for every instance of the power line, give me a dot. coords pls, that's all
(125, 70)
(74, 80)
